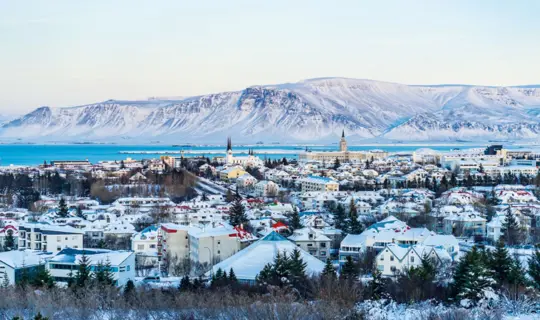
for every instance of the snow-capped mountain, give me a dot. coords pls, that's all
(311, 110)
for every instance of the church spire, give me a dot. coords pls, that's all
(343, 133)
(229, 144)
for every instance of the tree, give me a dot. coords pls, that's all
(349, 271)
(472, 277)
(5, 281)
(103, 275)
(229, 197)
(534, 268)
(42, 278)
(237, 213)
(510, 229)
(62, 208)
(9, 241)
(354, 226)
(82, 276)
(329, 272)
(79, 212)
(129, 289)
(232, 277)
(501, 263)
(336, 164)
(340, 218)
(204, 197)
(185, 284)
(376, 285)
(295, 220)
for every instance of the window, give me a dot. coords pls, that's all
(323, 245)
(218, 252)
(323, 253)
(140, 247)
(382, 258)
(391, 258)
(393, 268)
(219, 242)
(412, 259)
(152, 246)
(310, 245)
(380, 267)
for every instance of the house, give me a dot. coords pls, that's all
(231, 173)
(51, 238)
(67, 261)
(15, 263)
(465, 224)
(213, 244)
(249, 262)
(145, 242)
(246, 181)
(313, 241)
(314, 183)
(397, 258)
(266, 188)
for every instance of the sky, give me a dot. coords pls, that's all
(73, 52)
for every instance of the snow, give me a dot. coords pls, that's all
(310, 110)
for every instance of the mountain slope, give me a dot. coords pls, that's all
(311, 110)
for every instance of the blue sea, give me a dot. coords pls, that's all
(33, 154)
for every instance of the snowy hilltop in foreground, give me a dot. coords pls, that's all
(307, 111)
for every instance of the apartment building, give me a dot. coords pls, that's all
(37, 236)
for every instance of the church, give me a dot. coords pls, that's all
(251, 160)
(343, 155)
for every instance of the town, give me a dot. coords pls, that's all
(457, 225)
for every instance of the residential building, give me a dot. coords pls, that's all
(313, 241)
(266, 188)
(314, 183)
(67, 261)
(51, 238)
(13, 264)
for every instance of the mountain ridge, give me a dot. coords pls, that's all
(306, 111)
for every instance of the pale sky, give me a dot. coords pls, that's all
(73, 52)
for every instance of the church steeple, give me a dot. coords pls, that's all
(343, 142)
(229, 144)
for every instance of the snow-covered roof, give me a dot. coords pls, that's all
(24, 258)
(249, 262)
(95, 256)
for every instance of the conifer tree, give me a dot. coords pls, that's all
(534, 268)
(79, 212)
(501, 263)
(349, 271)
(129, 288)
(376, 285)
(42, 278)
(232, 277)
(237, 213)
(185, 284)
(354, 226)
(104, 275)
(295, 220)
(472, 277)
(5, 281)
(83, 276)
(510, 229)
(62, 208)
(9, 241)
(297, 266)
(336, 164)
(340, 218)
(329, 272)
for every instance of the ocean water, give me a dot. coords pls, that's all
(33, 154)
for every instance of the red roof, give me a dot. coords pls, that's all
(279, 225)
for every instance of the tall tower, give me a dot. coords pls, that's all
(229, 157)
(343, 142)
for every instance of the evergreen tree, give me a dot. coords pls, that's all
(232, 277)
(510, 229)
(340, 218)
(237, 213)
(62, 208)
(297, 266)
(103, 275)
(229, 197)
(501, 263)
(9, 241)
(472, 277)
(204, 197)
(295, 220)
(354, 226)
(185, 284)
(337, 164)
(349, 271)
(329, 272)
(39, 316)
(42, 278)
(83, 276)
(129, 290)
(79, 212)
(516, 277)
(534, 268)
(376, 285)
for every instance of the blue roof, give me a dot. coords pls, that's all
(274, 236)
(149, 229)
(325, 179)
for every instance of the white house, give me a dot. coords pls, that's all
(313, 241)
(395, 258)
(67, 261)
(13, 263)
(145, 242)
(266, 188)
(37, 236)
